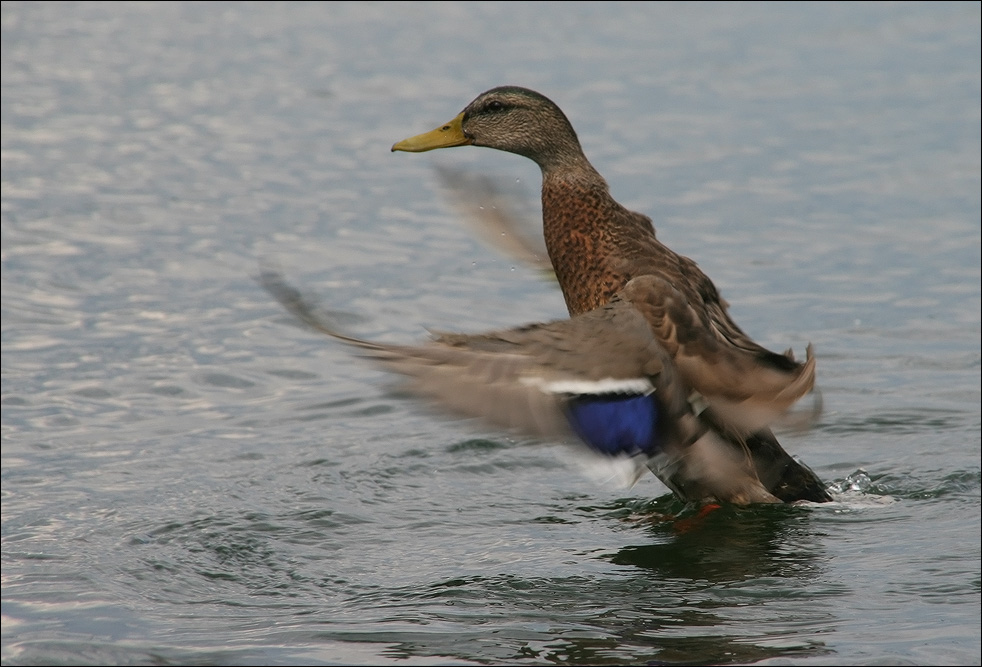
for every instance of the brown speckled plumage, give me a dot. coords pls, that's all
(649, 368)
(597, 247)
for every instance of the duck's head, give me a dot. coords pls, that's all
(509, 118)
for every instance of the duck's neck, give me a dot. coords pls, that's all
(579, 234)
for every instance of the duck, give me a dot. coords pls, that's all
(597, 248)
(648, 368)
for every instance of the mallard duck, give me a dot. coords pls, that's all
(598, 248)
(649, 367)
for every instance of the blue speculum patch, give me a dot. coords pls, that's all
(615, 424)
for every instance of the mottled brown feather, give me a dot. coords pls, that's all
(596, 247)
(594, 243)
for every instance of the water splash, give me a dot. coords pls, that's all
(857, 482)
(855, 491)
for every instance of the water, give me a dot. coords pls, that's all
(190, 478)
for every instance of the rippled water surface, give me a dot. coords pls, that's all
(188, 477)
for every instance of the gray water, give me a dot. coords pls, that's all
(188, 477)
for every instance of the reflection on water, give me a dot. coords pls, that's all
(676, 603)
(731, 545)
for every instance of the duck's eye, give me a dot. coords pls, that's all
(494, 105)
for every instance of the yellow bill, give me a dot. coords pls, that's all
(445, 136)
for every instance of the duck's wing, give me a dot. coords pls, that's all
(522, 378)
(600, 378)
(491, 212)
(746, 386)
